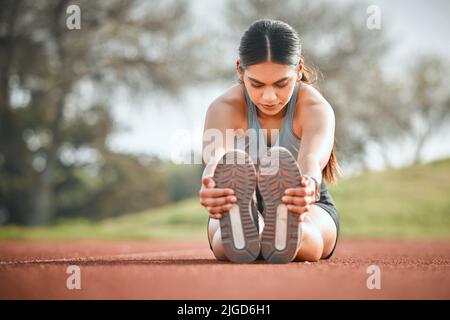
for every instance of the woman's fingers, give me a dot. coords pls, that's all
(215, 192)
(297, 209)
(305, 180)
(208, 182)
(216, 216)
(220, 209)
(299, 192)
(216, 202)
(297, 201)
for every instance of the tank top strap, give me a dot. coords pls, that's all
(251, 112)
(289, 117)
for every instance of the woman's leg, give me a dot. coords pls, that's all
(319, 233)
(215, 237)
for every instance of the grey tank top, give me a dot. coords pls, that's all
(253, 142)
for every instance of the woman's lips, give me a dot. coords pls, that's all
(269, 106)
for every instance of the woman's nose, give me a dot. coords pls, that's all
(269, 96)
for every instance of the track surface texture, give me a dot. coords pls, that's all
(409, 269)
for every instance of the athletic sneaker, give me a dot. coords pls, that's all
(281, 235)
(238, 227)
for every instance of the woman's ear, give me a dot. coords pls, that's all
(239, 71)
(300, 70)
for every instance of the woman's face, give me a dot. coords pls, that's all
(270, 85)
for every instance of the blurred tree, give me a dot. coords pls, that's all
(349, 56)
(55, 90)
(428, 100)
(121, 184)
(387, 115)
(183, 180)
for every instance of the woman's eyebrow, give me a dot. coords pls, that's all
(259, 82)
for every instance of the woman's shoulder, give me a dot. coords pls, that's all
(230, 106)
(310, 102)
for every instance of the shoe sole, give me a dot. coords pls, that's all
(240, 236)
(281, 235)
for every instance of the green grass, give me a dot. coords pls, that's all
(411, 202)
(401, 203)
(183, 220)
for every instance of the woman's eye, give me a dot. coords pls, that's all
(277, 85)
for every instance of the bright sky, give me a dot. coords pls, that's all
(419, 26)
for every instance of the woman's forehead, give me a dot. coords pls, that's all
(267, 71)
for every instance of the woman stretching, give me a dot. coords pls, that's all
(264, 186)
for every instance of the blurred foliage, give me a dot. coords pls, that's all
(56, 91)
(372, 107)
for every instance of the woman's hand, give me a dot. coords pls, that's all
(216, 200)
(300, 199)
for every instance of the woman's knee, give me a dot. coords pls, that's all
(327, 227)
(311, 245)
(217, 246)
(215, 236)
(213, 226)
(215, 239)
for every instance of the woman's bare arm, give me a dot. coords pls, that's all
(317, 123)
(220, 118)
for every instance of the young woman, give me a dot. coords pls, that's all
(274, 93)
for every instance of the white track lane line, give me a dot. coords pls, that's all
(111, 258)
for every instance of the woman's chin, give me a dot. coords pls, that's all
(270, 111)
